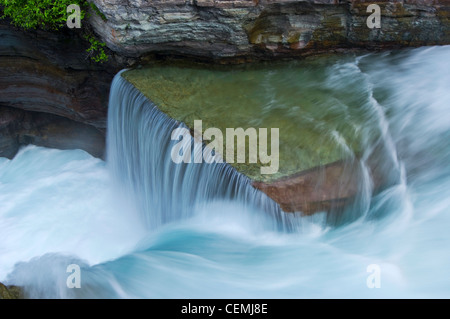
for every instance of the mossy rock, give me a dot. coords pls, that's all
(10, 292)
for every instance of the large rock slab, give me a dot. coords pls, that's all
(330, 144)
(252, 29)
(289, 97)
(10, 292)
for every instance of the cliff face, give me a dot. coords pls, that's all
(50, 93)
(19, 127)
(49, 72)
(265, 28)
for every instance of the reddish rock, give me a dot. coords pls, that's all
(331, 187)
(318, 189)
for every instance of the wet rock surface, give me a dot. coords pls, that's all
(46, 77)
(19, 127)
(52, 95)
(10, 292)
(50, 72)
(252, 29)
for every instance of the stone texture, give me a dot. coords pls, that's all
(9, 121)
(331, 187)
(403, 23)
(223, 29)
(10, 292)
(49, 72)
(51, 95)
(19, 127)
(65, 96)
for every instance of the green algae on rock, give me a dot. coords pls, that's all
(319, 116)
(10, 292)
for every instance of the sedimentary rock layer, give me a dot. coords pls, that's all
(221, 29)
(50, 92)
(50, 72)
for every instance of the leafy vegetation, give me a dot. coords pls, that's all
(44, 14)
(97, 11)
(52, 15)
(96, 50)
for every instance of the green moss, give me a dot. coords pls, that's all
(52, 15)
(294, 37)
(96, 50)
(44, 14)
(98, 12)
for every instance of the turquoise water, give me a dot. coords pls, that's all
(63, 207)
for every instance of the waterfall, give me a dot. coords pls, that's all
(156, 229)
(139, 149)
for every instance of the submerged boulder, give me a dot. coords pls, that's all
(300, 138)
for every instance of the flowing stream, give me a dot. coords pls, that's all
(140, 226)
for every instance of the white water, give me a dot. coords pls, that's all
(62, 207)
(139, 156)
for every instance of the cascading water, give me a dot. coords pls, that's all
(139, 154)
(191, 231)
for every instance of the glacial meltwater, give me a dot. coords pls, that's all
(141, 226)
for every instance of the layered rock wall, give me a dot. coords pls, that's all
(221, 29)
(50, 93)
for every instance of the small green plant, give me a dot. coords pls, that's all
(52, 15)
(96, 50)
(97, 11)
(44, 14)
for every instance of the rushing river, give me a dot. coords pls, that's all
(141, 227)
